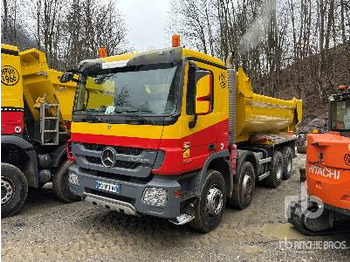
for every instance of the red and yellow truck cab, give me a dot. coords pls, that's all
(166, 143)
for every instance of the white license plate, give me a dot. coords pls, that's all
(113, 188)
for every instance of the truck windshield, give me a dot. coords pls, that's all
(340, 115)
(147, 90)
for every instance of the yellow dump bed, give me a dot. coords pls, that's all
(262, 114)
(40, 81)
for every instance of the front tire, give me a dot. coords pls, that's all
(14, 189)
(61, 185)
(211, 204)
(274, 180)
(244, 186)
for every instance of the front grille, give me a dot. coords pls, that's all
(94, 160)
(121, 164)
(120, 150)
(130, 161)
(96, 147)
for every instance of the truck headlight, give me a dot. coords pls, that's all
(73, 178)
(153, 196)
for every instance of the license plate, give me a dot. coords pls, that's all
(112, 188)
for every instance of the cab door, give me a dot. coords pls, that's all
(205, 114)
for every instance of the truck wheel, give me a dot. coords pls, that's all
(276, 172)
(287, 154)
(211, 204)
(244, 185)
(14, 189)
(61, 185)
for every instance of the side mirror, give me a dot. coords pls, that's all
(67, 77)
(204, 82)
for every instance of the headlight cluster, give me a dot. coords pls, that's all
(73, 178)
(157, 197)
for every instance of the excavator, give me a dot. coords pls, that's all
(327, 174)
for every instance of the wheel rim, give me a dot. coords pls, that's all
(247, 185)
(7, 190)
(215, 201)
(279, 170)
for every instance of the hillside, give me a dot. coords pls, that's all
(302, 80)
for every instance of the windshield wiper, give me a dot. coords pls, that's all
(93, 118)
(139, 118)
(126, 111)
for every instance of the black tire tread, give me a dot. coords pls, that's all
(235, 201)
(197, 223)
(271, 181)
(60, 187)
(14, 173)
(286, 152)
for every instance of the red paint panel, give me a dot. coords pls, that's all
(11, 120)
(174, 163)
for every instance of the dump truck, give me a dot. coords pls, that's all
(183, 136)
(36, 112)
(327, 173)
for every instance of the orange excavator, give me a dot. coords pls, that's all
(327, 173)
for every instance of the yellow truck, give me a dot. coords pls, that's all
(36, 112)
(183, 136)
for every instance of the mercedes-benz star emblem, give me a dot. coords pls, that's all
(109, 157)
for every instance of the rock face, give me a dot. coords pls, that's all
(307, 80)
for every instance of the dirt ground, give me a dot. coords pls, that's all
(48, 230)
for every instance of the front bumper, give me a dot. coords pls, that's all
(129, 200)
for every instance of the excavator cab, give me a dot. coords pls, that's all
(340, 110)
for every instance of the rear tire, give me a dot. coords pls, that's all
(287, 154)
(61, 185)
(14, 189)
(211, 204)
(274, 180)
(244, 186)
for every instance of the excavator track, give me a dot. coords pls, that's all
(296, 218)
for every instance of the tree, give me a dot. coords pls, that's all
(90, 25)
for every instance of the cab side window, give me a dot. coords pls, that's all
(191, 89)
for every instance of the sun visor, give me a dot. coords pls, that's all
(163, 56)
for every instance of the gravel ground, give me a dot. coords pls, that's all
(47, 230)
